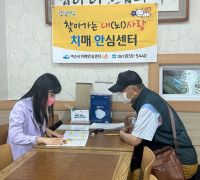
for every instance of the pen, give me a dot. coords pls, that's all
(111, 134)
(67, 140)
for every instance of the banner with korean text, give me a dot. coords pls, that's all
(121, 33)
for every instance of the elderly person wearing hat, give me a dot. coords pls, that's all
(153, 126)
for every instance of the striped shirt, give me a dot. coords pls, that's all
(147, 122)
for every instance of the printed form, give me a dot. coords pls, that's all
(75, 138)
(74, 127)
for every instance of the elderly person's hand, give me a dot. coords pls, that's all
(128, 129)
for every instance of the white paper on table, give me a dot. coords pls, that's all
(78, 142)
(74, 127)
(76, 135)
(107, 125)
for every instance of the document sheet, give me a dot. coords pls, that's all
(74, 127)
(75, 138)
(107, 125)
(77, 142)
(76, 135)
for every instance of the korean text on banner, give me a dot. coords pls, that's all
(121, 33)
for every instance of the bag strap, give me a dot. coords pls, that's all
(173, 126)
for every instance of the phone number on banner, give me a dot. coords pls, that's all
(105, 56)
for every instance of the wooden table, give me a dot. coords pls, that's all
(60, 163)
(99, 142)
(103, 158)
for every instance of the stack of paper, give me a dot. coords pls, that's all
(74, 127)
(107, 125)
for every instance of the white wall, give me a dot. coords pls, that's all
(3, 54)
(29, 49)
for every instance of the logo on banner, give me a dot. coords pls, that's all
(142, 13)
(105, 56)
(66, 57)
(114, 56)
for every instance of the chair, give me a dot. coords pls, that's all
(148, 158)
(3, 133)
(5, 156)
(144, 172)
(152, 177)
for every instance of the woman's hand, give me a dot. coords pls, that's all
(51, 133)
(50, 141)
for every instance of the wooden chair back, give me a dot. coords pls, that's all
(5, 156)
(152, 177)
(3, 133)
(148, 158)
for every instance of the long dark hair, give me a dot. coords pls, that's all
(39, 94)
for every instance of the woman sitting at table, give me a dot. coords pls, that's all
(28, 118)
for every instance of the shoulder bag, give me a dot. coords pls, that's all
(167, 165)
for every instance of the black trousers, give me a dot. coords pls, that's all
(137, 157)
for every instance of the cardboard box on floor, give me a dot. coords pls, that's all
(80, 112)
